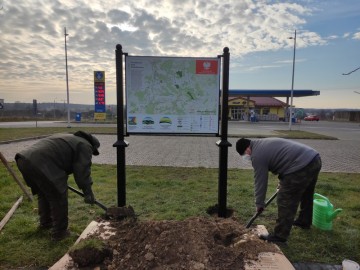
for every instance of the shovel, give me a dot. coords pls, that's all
(82, 195)
(258, 213)
(111, 212)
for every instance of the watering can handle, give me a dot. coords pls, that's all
(322, 197)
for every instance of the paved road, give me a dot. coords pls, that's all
(342, 155)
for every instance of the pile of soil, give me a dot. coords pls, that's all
(195, 243)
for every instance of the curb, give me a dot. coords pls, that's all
(24, 139)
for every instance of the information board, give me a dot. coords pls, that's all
(172, 94)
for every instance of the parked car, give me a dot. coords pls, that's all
(312, 118)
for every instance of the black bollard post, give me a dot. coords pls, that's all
(121, 143)
(223, 144)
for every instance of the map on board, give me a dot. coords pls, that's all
(172, 94)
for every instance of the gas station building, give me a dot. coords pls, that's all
(243, 104)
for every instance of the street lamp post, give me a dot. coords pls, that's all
(54, 109)
(292, 83)
(67, 81)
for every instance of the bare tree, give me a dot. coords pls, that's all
(351, 71)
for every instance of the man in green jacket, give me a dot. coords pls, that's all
(45, 167)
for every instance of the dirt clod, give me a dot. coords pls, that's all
(89, 256)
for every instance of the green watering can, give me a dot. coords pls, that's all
(323, 212)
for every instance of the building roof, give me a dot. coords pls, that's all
(262, 101)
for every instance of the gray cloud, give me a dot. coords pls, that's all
(32, 45)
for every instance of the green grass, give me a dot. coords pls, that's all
(89, 243)
(8, 134)
(159, 193)
(288, 134)
(299, 134)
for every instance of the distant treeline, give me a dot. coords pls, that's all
(47, 106)
(25, 111)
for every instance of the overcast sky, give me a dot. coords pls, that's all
(32, 55)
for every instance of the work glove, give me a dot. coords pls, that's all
(259, 209)
(89, 196)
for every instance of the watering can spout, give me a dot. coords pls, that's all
(334, 214)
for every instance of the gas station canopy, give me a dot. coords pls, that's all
(272, 93)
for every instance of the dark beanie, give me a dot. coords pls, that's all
(241, 145)
(91, 139)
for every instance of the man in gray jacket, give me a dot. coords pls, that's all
(297, 166)
(45, 167)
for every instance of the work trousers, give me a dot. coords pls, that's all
(52, 205)
(296, 189)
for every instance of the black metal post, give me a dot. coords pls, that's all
(292, 84)
(67, 82)
(121, 143)
(223, 144)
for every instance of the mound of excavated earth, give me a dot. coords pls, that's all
(194, 243)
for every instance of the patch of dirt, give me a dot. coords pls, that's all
(214, 211)
(195, 243)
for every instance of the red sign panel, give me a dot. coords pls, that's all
(99, 89)
(99, 97)
(206, 66)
